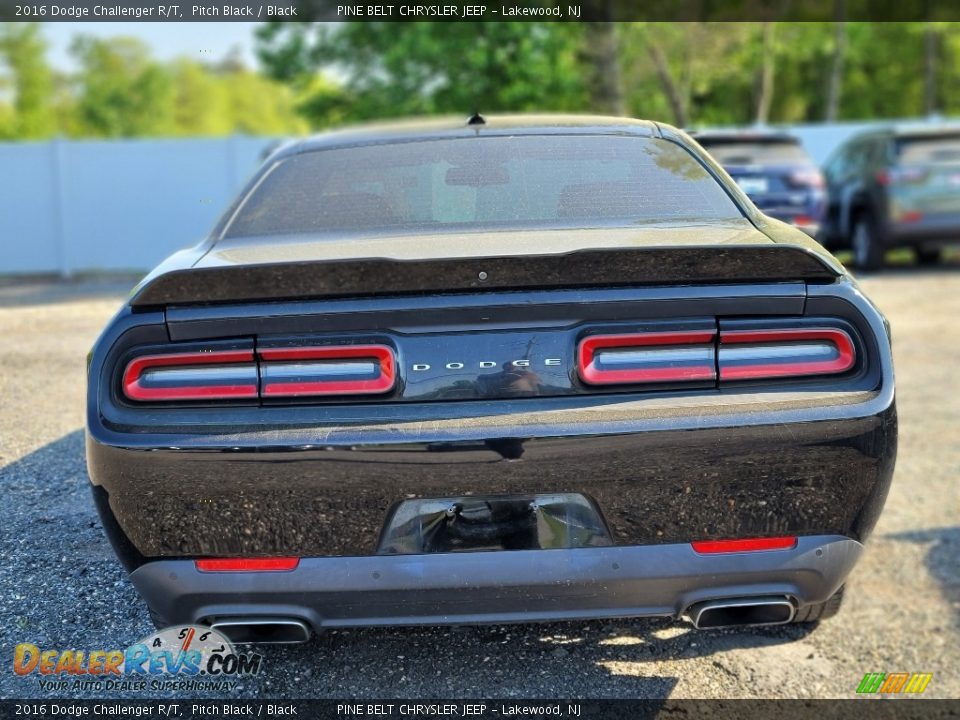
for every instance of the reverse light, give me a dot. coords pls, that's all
(675, 356)
(711, 547)
(327, 370)
(265, 564)
(788, 352)
(215, 375)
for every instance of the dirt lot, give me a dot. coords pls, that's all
(63, 587)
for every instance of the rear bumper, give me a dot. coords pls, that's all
(503, 586)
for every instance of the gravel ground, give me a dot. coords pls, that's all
(63, 588)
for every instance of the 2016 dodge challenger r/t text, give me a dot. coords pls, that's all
(518, 368)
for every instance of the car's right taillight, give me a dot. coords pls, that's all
(647, 357)
(784, 353)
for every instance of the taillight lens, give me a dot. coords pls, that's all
(265, 564)
(651, 357)
(711, 547)
(788, 352)
(214, 375)
(806, 178)
(328, 370)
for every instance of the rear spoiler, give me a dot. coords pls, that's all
(583, 268)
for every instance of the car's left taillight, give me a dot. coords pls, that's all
(212, 375)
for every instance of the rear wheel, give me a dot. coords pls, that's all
(927, 256)
(820, 611)
(867, 251)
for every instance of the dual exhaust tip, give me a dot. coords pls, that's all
(742, 612)
(734, 612)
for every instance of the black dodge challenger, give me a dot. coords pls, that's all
(518, 368)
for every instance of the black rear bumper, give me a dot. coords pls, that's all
(662, 580)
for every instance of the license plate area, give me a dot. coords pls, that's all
(492, 523)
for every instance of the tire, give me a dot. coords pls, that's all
(867, 251)
(820, 611)
(927, 256)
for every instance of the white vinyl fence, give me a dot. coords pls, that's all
(69, 206)
(84, 205)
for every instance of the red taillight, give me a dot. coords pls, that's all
(267, 564)
(215, 375)
(710, 547)
(901, 175)
(806, 178)
(793, 352)
(328, 370)
(649, 357)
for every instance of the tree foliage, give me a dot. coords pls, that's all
(320, 75)
(120, 90)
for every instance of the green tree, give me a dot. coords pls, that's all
(393, 69)
(28, 80)
(120, 90)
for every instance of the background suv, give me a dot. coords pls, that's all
(774, 170)
(894, 188)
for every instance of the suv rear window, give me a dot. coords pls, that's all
(928, 150)
(482, 183)
(756, 152)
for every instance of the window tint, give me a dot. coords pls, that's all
(484, 182)
(738, 152)
(929, 150)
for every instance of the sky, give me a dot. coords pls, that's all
(209, 41)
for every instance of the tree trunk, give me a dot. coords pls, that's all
(931, 42)
(669, 84)
(767, 68)
(835, 83)
(603, 52)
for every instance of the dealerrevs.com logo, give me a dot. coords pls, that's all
(188, 657)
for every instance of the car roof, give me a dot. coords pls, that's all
(451, 127)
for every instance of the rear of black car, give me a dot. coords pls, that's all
(530, 371)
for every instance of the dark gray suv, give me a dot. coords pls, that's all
(894, 188)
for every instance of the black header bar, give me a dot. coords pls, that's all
(478, 10)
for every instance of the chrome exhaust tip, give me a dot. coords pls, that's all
(272, 630)
(741, 612)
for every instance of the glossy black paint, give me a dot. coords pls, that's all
(376, 277)
(662, 465)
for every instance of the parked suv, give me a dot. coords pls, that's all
(775, 171)
(894, 188)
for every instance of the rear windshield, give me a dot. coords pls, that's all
(481, 183)
(738, 152)
(923, 151)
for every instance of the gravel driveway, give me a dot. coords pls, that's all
(63, 588)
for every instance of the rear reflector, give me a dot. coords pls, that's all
(794, 352)
(647, 357)
(271, 564)
(216, 375)
(709, 547)
(329, 370)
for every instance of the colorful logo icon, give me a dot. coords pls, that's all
(894, 683)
